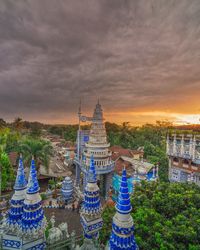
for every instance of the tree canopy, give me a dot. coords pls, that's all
(166, 216)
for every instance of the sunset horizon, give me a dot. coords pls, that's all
(141, 59)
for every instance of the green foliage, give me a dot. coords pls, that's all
(43, 196)
(52, 183)
(70, 133)
(166, 216)
(107, 215)
(35, 130)
(7, 173)
(49, 226)
(40, 149)
(151, 137)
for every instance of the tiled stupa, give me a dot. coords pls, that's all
(26, 223)
(91, 210)
(16, 203)
(122, 236)
(33, 220)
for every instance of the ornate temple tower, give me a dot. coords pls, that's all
(25, 225)
(98, 146)
(122, 236)
(94, 142)
(91, 210)
(33, 223)
(16, 204)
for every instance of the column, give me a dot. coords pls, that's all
(78, 172)
(174, 146)
(182, 146)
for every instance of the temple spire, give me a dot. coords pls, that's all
(33, 222)
(33, 185)
(122, 236)
(92, 172)
(91, 210)
(123, 205)
(20, 182)
(16, 204)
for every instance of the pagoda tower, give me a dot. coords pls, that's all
(98, 146)
(122, 236)
(33, 222)
(91, 210)
(16, 203)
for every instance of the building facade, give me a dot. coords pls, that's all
(184, 158)
(96, 145)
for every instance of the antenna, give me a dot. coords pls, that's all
(79, 110)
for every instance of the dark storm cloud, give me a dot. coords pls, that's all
(134, 55)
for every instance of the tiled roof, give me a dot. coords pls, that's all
(118, 151)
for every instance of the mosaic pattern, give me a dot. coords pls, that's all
(91, 210)
(13, 244)
(122, 237)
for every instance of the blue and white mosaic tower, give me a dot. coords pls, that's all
(67, 189)
(16, 203)
(25, 225)
(122, 236)
(33, 223)
(91, 210)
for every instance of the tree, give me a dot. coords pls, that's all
(7, 173)
(40, 149)
(18, 124)
(166, 216)
(2, 123)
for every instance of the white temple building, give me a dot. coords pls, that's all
(98, 146)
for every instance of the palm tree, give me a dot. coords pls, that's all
(2, 123)
(18, 124)
(40, 149)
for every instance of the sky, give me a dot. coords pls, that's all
(141, 58)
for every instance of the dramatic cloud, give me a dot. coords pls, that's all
(137, 56)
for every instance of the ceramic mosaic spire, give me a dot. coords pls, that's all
(92, 178)
(122, 236)
(91, 210)
(33, 220)
(16, 204)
